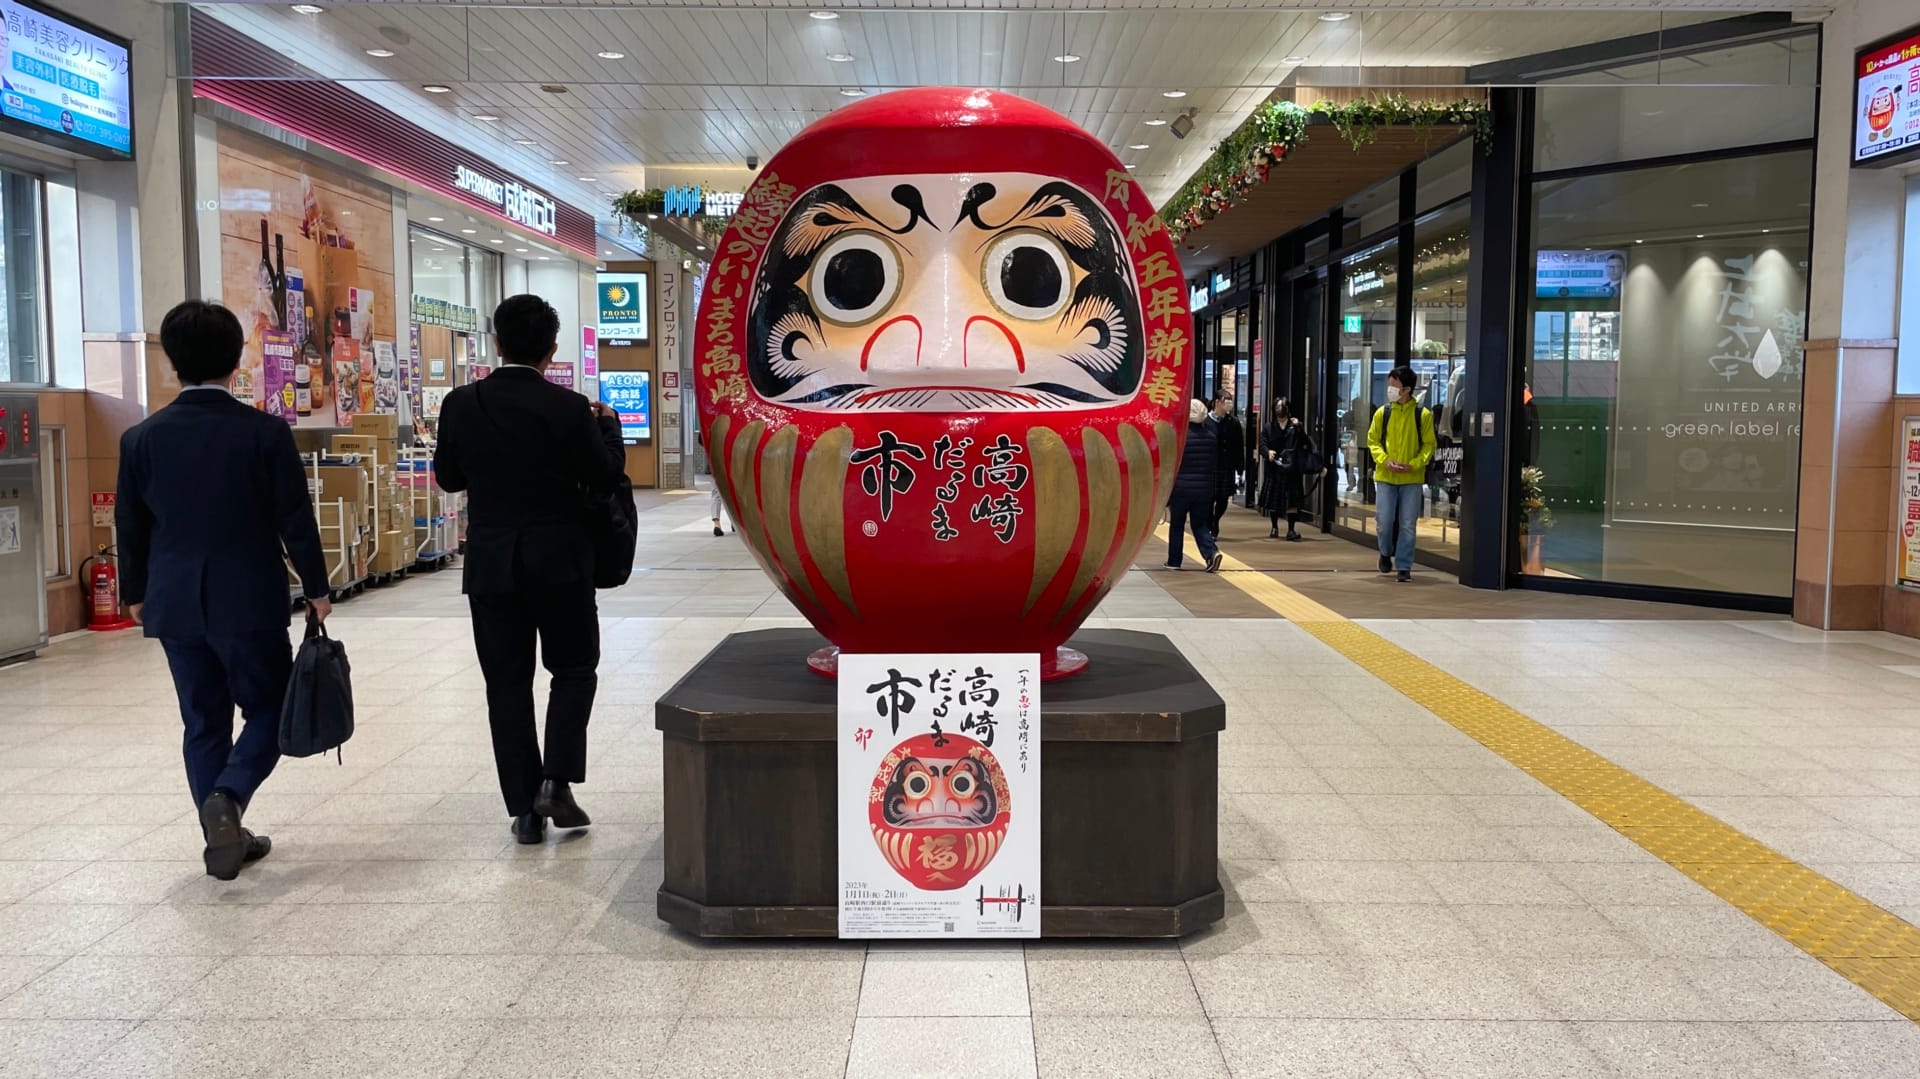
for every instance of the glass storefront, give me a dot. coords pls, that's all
(1664, 374)
(1440, 359)
(448, 269)
(1369, 320)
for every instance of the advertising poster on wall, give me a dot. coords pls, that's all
(560, 374)
(630, 393)
(279, 390)
(305, 250)
(1910, 502)
(623, 307)
(1886, 116)
(416, 374)
(1580, 274)
(939, 795)
(589, 352)
(386, 378)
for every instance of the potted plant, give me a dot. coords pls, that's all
(1536, 520)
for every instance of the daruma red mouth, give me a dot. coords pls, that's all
(945, 397)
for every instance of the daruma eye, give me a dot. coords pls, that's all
(854, 278)
(1026, 274)
(961, 784)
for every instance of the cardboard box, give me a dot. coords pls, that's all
(340, 481)
(381, 425)
(396, 551)
(364, 446)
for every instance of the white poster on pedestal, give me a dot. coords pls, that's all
(939, 795)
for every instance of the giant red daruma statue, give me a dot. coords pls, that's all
(942, 359)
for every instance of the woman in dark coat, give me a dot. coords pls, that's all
(1191, 499)
(1284, 445)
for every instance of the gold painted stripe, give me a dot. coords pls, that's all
(776, 489)
(1169, 440)
(1056, 507)
(1142, 510)
(823, 493)
(1103, 517)
(746, 484)
(1861, 941)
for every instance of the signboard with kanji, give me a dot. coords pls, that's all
(939, 795)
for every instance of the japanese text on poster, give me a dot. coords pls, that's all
(1910, 502)
(939, 795)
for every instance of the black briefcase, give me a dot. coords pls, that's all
(317, 715)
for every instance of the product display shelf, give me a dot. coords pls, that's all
(343, 524)
(436, 513)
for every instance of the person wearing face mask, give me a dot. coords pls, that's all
(1402, 442)
(1284, 446)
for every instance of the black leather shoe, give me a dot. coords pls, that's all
(1405, 576)
(258, 846)
(226, 840)
(717, 532)
(556, 801)
(530, 828)
(1386, 564)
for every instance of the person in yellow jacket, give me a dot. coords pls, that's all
(1402, 442)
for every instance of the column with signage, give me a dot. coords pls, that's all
(626, 346)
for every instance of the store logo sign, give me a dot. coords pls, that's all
(686, 200)
(518, 202)
(1197, 297)
(683, 201)
(1364, 282)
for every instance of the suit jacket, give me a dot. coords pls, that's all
(212, 492)
(526, 452)
(1233, 450)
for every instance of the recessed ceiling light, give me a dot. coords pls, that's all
(1129, 168)
(559, 162)
(1291, 59)
(1334, 16)
(544, 258)
(1699, 235)
(436, 219)
(525, 142)
(496, 241)
(306, 9)
(699, 247)
(1066, 58)
(1699, 205)
(1173, 93)
(1137, 146)
(1766, 230)
(436, 88)
(1156, 123)
(840, 57)
(611, 54)
(469, 231)
(380, 54)
(486, 116)
(823, 16)
(589, 179)
(1639, 241)
(851, 92)
(653, 217)
(519, 250)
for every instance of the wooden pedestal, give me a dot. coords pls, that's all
(1130, 774)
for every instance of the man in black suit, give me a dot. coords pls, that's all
(526, 452)
(1233, 450)
(211, 494)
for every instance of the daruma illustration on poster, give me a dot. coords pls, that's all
(944, 392)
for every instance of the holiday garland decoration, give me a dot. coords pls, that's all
(1244, 158)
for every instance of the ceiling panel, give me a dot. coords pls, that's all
(713, 84)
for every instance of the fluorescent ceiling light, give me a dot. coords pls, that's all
(469, 231)
(840, 57)
(1138, 146)
(1335, 16)
(380, 54)
(1066, 58)
(436, 219)
(1156, 123)
(1173, 93)
(611, 55)
(436, 88)
(823, 16)
(487, 116)
(306, 9)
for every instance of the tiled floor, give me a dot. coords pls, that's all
(1401, 901)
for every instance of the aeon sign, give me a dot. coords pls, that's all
(518, 202)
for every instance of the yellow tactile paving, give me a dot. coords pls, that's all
(1863, 942)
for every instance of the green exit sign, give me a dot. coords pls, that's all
(1350, 324)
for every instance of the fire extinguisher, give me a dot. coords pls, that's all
(103, 590)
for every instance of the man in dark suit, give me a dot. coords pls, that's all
(211, 494)
(1233, 451)
(527, 452)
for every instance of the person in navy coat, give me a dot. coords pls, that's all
(212, 495)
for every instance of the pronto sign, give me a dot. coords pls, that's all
(518, 202)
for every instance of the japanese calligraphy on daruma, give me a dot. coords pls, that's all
(947, 378)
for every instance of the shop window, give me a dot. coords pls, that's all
(1372, 212)
(1369, 315)
(1745, 95)
(1440, 359)
(23, 268)
(1660, 441)
(1446, 176)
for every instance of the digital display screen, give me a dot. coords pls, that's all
(1580, 275)
(623, 307)
(1886, 102)
(630, 393)
(64, 84)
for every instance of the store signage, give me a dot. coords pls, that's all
(1910, 503)
(1579, 274)
(939, 795)
(1198, 297)
(669, 318)
(428, 311)
(1886, 105)
(1222, 284)
(589, 352)
(630, 393)
(1363, 282)
(685, 200)
(560, 374)
(518, 202)
(65, 84)
(623, 307)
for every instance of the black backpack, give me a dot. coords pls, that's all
(317, 714)
(614, 527)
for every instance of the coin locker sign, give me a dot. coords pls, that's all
(939, 795)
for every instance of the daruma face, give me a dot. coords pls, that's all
(942, 392)
(939, 809)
